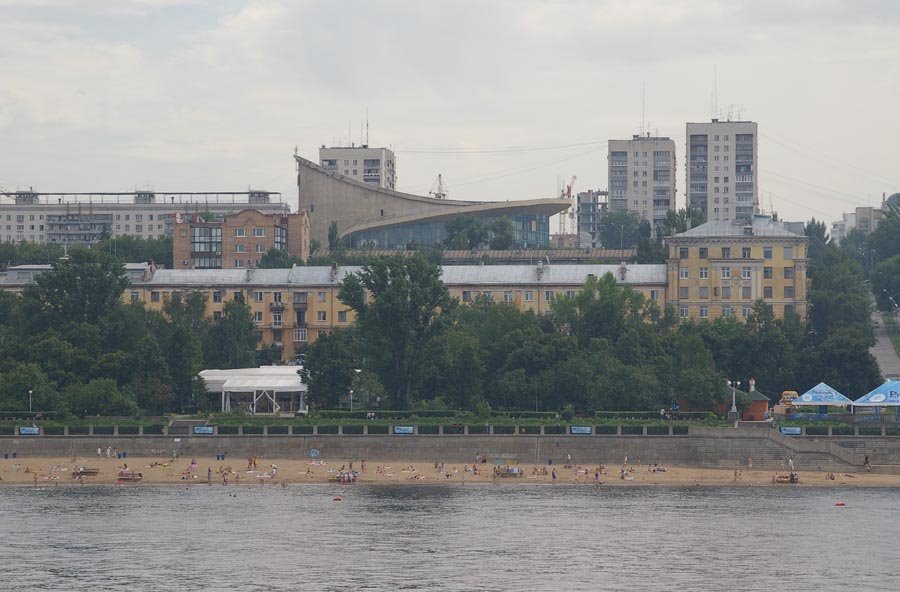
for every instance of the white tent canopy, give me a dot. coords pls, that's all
(267, 389)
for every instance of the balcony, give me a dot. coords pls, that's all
(300, 304)
(276, 306)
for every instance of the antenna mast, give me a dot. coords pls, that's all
(437, 189)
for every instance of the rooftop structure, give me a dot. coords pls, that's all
(642, 177)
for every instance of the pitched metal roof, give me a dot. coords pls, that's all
(761, 226)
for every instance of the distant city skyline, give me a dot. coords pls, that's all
(506, 100)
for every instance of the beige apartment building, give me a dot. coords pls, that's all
(238, 240)
(375, 166)
(642, 177)
(719, 269)
(723, 169)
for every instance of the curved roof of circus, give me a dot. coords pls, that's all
(437, 209)
(547, 207)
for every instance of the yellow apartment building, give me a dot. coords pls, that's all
(720, 269)
(292, 307)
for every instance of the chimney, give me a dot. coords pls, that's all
(623, 271)
(540, 269)
(334, 271)
(752, 383)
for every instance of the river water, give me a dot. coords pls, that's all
(437, 537)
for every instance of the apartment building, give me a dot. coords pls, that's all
(642, 177)
(87, 218)
(723, 169)
(375, 166)
(591, 206)
(238, 240)
(719, 269)
(293, 307)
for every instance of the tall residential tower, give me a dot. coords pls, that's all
(375, 166)
(642, 177)
(723, 170)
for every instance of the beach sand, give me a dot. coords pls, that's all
(45, 471)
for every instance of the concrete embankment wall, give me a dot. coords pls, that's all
(712, 448)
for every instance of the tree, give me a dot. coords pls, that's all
(503, 234)
(231, 341)
(100, 396)
(398, 301)
(333, 237)
(884, 241)
(81, 288)
(886, 283)
(278, 259)
(328, 369)
(130, 249)
(620, 230)
(465, 232)
(818, 238)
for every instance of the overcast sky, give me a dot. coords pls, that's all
(505, 99)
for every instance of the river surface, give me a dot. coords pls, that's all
(437, 537)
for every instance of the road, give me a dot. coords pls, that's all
(883, 350)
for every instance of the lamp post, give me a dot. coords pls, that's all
(733, 414)
(621, 237)
(30, 392)
(894, 308)
(351, 400)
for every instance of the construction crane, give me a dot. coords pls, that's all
(567, 194)
(437, 189)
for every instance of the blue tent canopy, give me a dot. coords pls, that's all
(822, 394)
(886, 395)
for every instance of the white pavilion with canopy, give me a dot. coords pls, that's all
(268, 390)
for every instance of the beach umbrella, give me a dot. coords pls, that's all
(884, 395)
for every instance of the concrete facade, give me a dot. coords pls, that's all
(642, 177)
(723, 169)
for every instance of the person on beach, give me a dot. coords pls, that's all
(866, 464)
(209, 475)
(108, 451)
(99, 452)
(791, 464)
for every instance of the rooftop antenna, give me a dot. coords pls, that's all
(367, 126)
(438, 189)
(642, 107)
(715, 92)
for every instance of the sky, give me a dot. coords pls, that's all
(505, 99)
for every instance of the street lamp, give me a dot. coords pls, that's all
(734, 384)
(29, 399)
(621, 237)
(351, 400)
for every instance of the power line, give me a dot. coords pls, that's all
(506, 149)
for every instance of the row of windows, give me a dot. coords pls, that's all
(726, 292)
(241, 248)
(746, 273)
(746, 252)
(242, 232)
(727, 311)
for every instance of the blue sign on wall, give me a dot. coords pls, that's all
(204, 430)
(404, 430)
(790, 431)
(581, 430)
(29, 431)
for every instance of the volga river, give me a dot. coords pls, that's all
(437, 537)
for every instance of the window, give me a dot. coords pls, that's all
(276, 296)
(683, 312)
(767, 273)
(217, 315)
(683, 293)
(320, 296)
(745, 252)
(239, 263)
(259, 232)
(745, 312)
(726, 311)
(726, 252)
(277, 319)
(487, 296)
(789, 252)
(704, 312)
(529, 296)
(548, 295)
(257, 297)
(745, 273)
(154, 296)
(217, 296)
(767, 291)
(238, 248)
(654, 295)
(570, 293)
(789, 292)
(683, 273)
(342, 316)
(507, 297)
(301, 317)
(788, 273)
(726, 273)
(683, 253)
(704, 273)
(135, 296)
(726, 292)
(321, 316)
(745, 292)
(466, 296)
(704, 292)
(137, 228)
(238, 297)
(767, 252)
(704, 253)
(257, 316)
(260, 248)
(300, 335)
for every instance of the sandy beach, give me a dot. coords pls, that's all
(44, 471)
